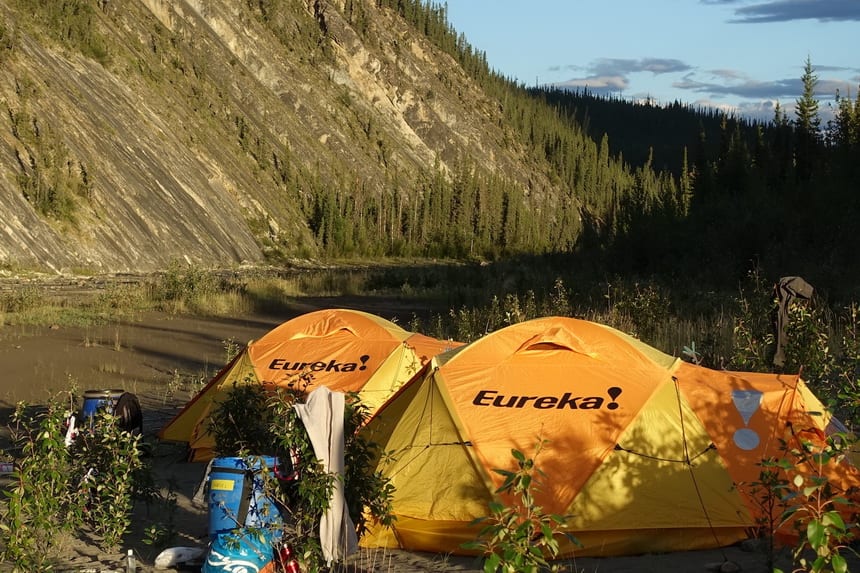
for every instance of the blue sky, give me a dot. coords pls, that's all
(739, 55)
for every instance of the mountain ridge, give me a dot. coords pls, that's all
(201, 130)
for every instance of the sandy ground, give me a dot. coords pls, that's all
(160, 358)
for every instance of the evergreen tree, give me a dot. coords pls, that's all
(781, 147)
(808, 125)
(844, 129)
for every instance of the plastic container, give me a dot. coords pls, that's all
(243, 550)
(130, 562)
(95, 399)
(236, 498)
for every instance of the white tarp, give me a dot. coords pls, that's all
(322, 414)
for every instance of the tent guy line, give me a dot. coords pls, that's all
(685, 460)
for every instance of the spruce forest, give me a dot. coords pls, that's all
(648, 190)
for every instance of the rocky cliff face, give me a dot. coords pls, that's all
(139, 133)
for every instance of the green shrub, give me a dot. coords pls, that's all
(241, 424)
(816, 506)
(106, 466)
(22, 299)
(183, 283)
(519, 538)
(61, 490)
(42, 504)
(253, 421)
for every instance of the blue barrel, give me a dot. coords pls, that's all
(95, 399)
(236, 495)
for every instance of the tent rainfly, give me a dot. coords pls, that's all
(344, 350)
(644, 453)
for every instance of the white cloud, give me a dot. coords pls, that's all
(596, 84)
(786, 10)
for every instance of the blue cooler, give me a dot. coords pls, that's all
(236, 496)
(96, 399)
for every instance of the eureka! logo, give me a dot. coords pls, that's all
(319, 365)
(493, 399)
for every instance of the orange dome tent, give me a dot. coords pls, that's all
(344, 350)
(644, 452)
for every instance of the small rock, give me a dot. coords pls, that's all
(723, 567)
